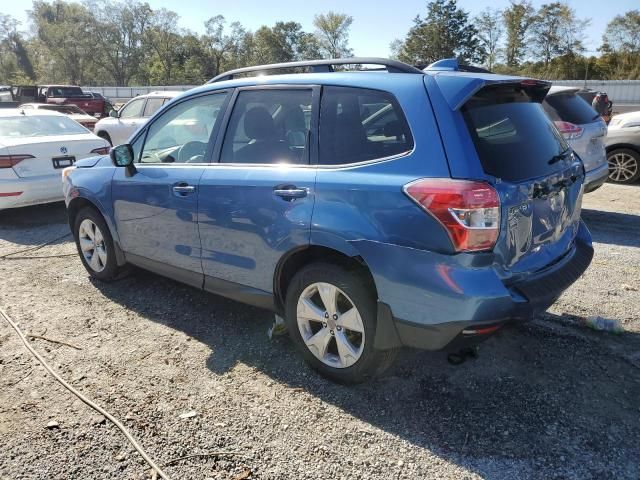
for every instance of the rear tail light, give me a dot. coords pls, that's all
(89, 125)
(469, 211)
(101, 150)
(10, 194)
(8, 161)
(569, 130)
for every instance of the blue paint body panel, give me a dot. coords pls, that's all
(232, 228)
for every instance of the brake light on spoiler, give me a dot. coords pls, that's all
(468, 210)
(8, 161)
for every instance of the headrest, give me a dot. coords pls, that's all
(258, 124)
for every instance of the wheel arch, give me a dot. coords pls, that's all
(619, 146)
(296, 259)
(78, 203)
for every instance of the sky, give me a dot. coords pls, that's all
(376, 23)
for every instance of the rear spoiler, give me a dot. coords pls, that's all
(458, 83)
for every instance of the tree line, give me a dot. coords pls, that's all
(547, 42)
(126, 42)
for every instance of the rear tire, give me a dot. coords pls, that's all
(106, 137)
(95, 245)
(331, 317)
(624, 165)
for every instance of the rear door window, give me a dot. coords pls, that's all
(569, 108)
(358, 125)
(513, 136)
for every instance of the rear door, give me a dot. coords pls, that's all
(535, 172)
(155, 205)
(256, 204)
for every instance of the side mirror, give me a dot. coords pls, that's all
(122, 155)
(113, 113)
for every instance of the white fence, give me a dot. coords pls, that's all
(122, 94)
(619, 91)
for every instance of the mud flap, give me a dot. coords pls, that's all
(386, 333)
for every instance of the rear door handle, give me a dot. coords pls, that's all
(183, 189)
(290, 192)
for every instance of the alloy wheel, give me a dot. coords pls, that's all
(330, 325)
(92, 245)
(622, 167)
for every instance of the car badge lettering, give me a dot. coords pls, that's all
(63, 150)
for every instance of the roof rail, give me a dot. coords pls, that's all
(452, 65)
(324, 66)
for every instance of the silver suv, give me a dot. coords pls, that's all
(121, 124)
(583, 128)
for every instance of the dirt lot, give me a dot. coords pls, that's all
(549, 399)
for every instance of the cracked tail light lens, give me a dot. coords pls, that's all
(468, 210)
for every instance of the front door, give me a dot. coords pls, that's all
(156, 206)
(256, 203)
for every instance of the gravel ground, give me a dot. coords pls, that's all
(548, 399)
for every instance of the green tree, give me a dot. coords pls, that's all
(332, 33)
(164, 40)
(444, 33)
(517, 20)
(15, 59)
(557, 31)
(118, 29)
(490, 29)
(64, 29)
(621, 46)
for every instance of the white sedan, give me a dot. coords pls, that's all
(35, 146)
(72, 111)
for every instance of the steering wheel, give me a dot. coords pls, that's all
(192, 152)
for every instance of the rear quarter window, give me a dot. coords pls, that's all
(569, 108)
(514, 138)
(358, 125)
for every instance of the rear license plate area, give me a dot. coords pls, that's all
(63, 162)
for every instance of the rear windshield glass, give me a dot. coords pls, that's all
(65, 92)
(569, 108)
(39, 126)
(514, 138)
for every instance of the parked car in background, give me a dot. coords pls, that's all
(590, 96)
(121, 124)
(623, 148)
(452, 212)
(60, 95)
(108, 104)
(72, 111)
(35, 146)
(583, 128)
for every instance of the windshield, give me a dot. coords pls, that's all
(514, 138)
(66, 109)
(39, 126)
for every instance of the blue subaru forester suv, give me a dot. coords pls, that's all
(371, 209)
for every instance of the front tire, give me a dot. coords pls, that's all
(624, 165)
(95, 245)
(331, 317)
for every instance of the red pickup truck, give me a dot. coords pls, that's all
(61, 95)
